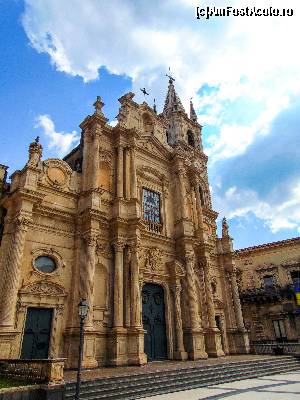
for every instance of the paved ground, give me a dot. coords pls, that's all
(70, 375)
(273, 387)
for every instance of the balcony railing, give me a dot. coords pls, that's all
(154, 227)
(271, 294)
(273, 347)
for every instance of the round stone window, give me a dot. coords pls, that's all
(45, 264)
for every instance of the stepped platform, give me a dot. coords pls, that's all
(129, 383)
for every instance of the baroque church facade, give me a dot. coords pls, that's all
(124, 221)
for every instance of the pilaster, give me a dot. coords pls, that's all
(12, 272)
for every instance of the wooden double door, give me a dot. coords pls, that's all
(37, 333)
(154, 322)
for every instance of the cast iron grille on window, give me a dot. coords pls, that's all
(151, 210)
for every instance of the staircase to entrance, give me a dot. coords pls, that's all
(143, 384)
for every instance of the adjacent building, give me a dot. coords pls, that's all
(269, 275)
(124, 221)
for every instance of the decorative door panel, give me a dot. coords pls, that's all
(155, 342)
(37, 333)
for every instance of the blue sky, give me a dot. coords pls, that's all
(243, 75)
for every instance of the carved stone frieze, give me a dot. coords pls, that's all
(44, 288)
(153, 260)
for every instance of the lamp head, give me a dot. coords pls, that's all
(83, 308)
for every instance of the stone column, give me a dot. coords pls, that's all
(209, 298)
(118, 286)
(95, 162)
(241, 335)
(237, 302)
(195, 336)
(12, 272)
(182, 193)
(127, 286)
(199, 207)
(195, 213)
(180, 353)
(213, 336)
(87, 274)
(127, 167)
(135, 291)
(120, 164)
(192, 295)
(133, 180)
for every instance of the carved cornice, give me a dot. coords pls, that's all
(267, 246)
(55, 213)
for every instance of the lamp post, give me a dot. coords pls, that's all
(83, 309)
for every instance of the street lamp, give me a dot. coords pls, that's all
(83, 309)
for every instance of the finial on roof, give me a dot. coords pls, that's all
(154, 107)
(37, 139)
(193, 115)
(171, 79)
(98, 105)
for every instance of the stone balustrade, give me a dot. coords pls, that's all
(36, 371)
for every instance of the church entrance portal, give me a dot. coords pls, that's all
(37, 333)
(154, 322)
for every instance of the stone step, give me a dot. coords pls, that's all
(182, 372)
(146, 388)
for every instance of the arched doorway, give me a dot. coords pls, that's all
(154, 322)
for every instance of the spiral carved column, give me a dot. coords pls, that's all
(192, 295)
(12, 273)
(180, 352)
(209, 297)
(237, 302)
(87, 274)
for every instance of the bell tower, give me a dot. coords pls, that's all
(180, 127)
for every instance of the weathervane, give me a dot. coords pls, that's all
(144, 91)
(171, 79)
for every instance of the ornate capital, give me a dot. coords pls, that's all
(176, 288)
(119, 246)
(22, 222)
(90, 238)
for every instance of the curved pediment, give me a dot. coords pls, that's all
(57, 173)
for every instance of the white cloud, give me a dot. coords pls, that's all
(240, 203)
(113, 123)
(142, 39)
(60, 142)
